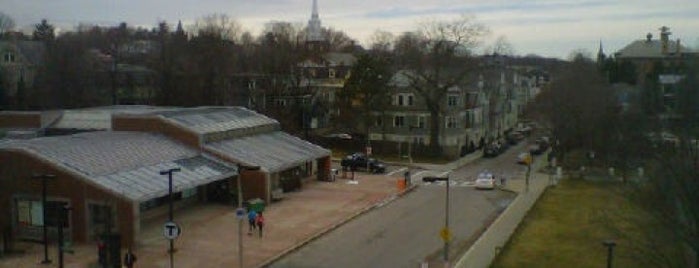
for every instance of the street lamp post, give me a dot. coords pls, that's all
(43, 178)
(610, 251)
(445, 233)
(240, 207)
(63, 211)
(169, 172)
(446, 224)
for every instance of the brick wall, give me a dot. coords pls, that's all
(20, 120)
(16, 178)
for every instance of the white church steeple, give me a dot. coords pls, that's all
(315, 32)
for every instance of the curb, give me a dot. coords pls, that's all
(317, 235)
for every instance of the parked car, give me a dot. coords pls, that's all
(515, 137)
(524, 158)
(495, 148)
(360, 160)
(342, 136)
(485, 181)
(491, 150)
(536, 149)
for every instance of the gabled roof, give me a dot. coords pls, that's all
(340, 59)
(125, 163)
(649, 49)
(203, 120)
(272, 152)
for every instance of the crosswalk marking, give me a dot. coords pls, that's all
(451, 183)
(397, 171)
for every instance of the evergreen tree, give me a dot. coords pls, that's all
(44, 32)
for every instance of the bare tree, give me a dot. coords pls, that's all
(381, 41)
(6, 23)
(436, 58)
(501, 46)
(219, 25)
(577, 99)
(338, 40)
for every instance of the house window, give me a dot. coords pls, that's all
(378, 122)
(404, 99)
(452, 100)
(419, 140)
(331, 73)
(450, 122)
(9, 57)
(399, 121)
(420, 121)
(281, 102)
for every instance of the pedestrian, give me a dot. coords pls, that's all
(129, 258)
(260, 222)
(252, 215)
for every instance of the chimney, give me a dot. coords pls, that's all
(664, 39)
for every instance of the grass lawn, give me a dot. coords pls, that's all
(565, 229)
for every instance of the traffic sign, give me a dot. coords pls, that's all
(171, 230)
(445, 234)
(240, 213)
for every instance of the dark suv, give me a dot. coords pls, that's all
(359, 161)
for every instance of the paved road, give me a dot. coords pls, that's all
(405, 232)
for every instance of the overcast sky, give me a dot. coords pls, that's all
(548, 28)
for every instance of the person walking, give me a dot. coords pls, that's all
(260, 222)
(129, 258)
(252, 216)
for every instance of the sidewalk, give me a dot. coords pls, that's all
(210, 231)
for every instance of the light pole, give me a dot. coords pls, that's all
(446, 224)
(63, 211)
(240, 208)
(169, 172)
(445, 233)
(610, 251)
(43, 178)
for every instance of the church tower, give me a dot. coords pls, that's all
(601, 57)
(315, 39)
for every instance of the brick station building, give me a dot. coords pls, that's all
(105, 164)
